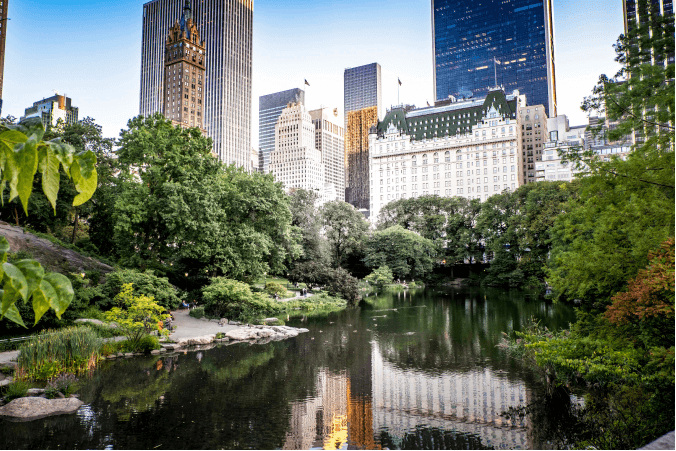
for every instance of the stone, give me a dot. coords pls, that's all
(6, 382)
(91, 321)
(155, 352)
(203, 340)
(10, 365)
(35, 391)
(235, 323)
(120, 354)
(112, 356)
(162, 350)
(664, 442)
(74, 395)
(129, 354)
(302, 330)
(223, 322)
(60, 395)
(238, 334)
(32, 408)
(270, 320)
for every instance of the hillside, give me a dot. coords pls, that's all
(51, 256)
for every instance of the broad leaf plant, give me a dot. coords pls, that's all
(22, 154)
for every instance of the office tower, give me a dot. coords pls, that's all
(51, 110)
(184, 60)
(635, 10)
(533, 122)
(330, 141)
(270, 107)
(357, 156)
(560, 137)
(295, 162)
(363, 92)
(3, 36)
(226, 28)
(468, 148)
(478, 45)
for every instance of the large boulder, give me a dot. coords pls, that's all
(238, 334)
(32, 408)
(203, 340)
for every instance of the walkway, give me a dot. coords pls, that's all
(189, 327)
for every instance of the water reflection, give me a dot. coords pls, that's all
(407, 370)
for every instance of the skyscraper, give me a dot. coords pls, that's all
(633, 11)
(330, 141)
(226, 28)
(51, 110)
(184, 73)
(363, 94)
(480, 44)
(3, 31)
(270, 107)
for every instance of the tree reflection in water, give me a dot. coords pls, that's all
(321, 389)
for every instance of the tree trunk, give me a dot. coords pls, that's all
(16, 216)
(75, 223)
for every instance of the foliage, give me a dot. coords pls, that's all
(345, 229)
(312, 274)
(408, 254)
(337, 281)
(17, 389)
(61, 384)
(380, 277)
(146, 344)
(318, 304)
(197, 312)
(307, 219)
(342, 283)
(144, 282)
(227, 298)
(49, 353)
(188, 215)
(275, 288)
(136, 316)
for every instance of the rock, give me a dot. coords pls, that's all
(112, 356)
(74, 395)
(664, 442)
(32, 408)
(8, 365)
(235, 323)
(203, 340)
(155, 352)
(120, 354)
(162, 350)
(129, 354)
(6, 382)
(92, 321)
(35, 391)
(270, 320)
(302, 330)
(238, 334)
(223, 322)
(60, 395)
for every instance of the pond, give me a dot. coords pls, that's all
(410, 370)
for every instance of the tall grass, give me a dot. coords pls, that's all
(49, 353)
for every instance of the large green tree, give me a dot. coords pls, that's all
(345, 230)
(184, 213)
(406, 253)
(307, 218)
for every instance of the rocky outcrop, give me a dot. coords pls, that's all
(203, 340)
(51, 256)
(33, 408)
(263, 332)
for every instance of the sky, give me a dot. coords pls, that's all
(91, 51)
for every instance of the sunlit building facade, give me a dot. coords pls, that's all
(330, 141)
(226, 28)
(270, 107)
(533, 121)
(478, 45)
(52, 110)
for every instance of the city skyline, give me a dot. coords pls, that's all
(81, 68)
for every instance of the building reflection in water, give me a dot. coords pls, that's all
(349, 411)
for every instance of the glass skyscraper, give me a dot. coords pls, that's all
(226, 27)
(364, 99)
(269, 109)
(480, 42)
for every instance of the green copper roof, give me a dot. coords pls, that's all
(452, 119)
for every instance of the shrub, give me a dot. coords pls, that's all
(139, 316)
(145, 283)
(197, 312)
(342, 284)
(380, 277)
(17, 389)
(227, 298)
(49, 353)
(62, 384)
(148, 343)
(275, 288)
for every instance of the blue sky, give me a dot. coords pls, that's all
(91, 51)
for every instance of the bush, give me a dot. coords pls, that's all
(62, 384)
(49, 353)
(145, 283)
(197, 312)
(380, 277)
(147, 344)
(275, 288)
(342, 284)
(17, 389)
(139, 316)
(227, 298)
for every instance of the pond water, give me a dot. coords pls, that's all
(411, 370)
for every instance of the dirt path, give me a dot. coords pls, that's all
(189, 327)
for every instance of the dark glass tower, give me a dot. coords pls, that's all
(469, 35)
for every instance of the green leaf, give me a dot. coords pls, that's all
(15, 280)
(4, 249)
(14, 315)
(64, 153)
(12, 137)
(43, 298)
(83, 172)
(26, 158)
(64, 292)
(33, 272)
(9, 297)
(49, 168)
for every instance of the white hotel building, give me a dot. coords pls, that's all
(295, 162)
(469, 148)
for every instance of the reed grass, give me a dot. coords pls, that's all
(49, 353)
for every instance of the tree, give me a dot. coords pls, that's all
(136, 316)
(22, 154)
(307, 218)
(185, 214)
(380, 277)
(407, 254)
(345, 229)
